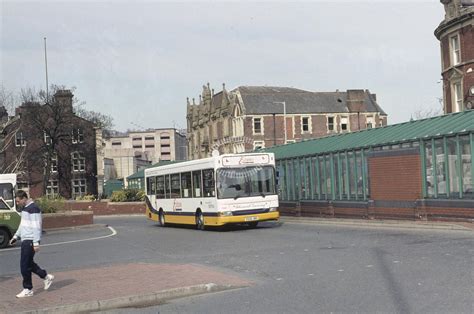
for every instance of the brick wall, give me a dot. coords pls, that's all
(395, 177)
(108, 208)
(68, 219)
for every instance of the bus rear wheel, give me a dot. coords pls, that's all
(161, 218)
(200, 221)
(4, 238)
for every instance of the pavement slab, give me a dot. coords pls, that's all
(115, 286)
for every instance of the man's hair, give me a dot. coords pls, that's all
(21, 194)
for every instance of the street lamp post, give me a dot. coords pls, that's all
(284, 116)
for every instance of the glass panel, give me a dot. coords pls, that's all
(6, 192)
(197, 186)
(186, 185)
(328, 178)
(167, 186)
(453, 167)
(175, 186)
(352, 176)
(440, 167)
(290, 181)
(360, 181)
(281, 175)
(322, 177)
(245, 182)
(344, 183)
(429, 169)
(160, 187)
(466, 167)
(208, 183)
(336, 177)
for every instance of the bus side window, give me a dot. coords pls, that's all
(153, 185)
(167, 186)
(197, 184)
(186, 184)
(160, 187)
(208, 180)
(175, 186)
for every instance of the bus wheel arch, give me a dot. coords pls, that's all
(161, 217)
(5, 237)
(199, 218)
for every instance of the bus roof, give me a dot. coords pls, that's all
(225, 160)
(8, 178)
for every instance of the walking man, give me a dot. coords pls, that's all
(29, 232)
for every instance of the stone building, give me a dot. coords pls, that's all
(456, 37)
(53, 151)
(251, 117)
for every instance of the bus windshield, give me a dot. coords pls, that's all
(245, 182)
(6, 192)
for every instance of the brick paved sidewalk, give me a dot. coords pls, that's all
(124, 282)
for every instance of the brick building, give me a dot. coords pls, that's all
(456, 36)
(53, 151)
(251, 117)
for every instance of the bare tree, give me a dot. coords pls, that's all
(8, 100)
(423, 113)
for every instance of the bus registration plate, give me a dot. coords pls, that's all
(253, 218)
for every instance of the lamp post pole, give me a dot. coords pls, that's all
(284, 116)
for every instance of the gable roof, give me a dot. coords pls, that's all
(267, 100)
(450, 124)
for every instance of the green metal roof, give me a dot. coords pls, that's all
(141, 173)
(450, 124)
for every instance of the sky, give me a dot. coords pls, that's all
(137, 61)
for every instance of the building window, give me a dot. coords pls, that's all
(137, 139)
(77, 136)
(344, 124)
(306, 124)
(370, 122)
(54, 163)
(165, 145)
(78, 187)
(47, 138)
(258, 144)
(455, 50)
(137, 146)
(457, 99)
(149, 138)
(164, 136)
(19, 139)
(257, 126)
(78, 162)
(150, 146)
(52, 188)
(116, 143)
(330, 124)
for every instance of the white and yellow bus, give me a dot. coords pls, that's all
(226, 189)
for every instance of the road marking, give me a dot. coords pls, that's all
(370, 266)
(341, 270)
(114, 232)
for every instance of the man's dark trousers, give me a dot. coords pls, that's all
(28, 265)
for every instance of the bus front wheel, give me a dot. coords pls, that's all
(200, 220)
(4, 238)
(161, 218)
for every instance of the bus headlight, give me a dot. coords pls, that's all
(225, 213)
(272, 209)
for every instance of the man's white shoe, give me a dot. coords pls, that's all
(25, 293)
(48, 280)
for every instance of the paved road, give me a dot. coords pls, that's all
(297, 268)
